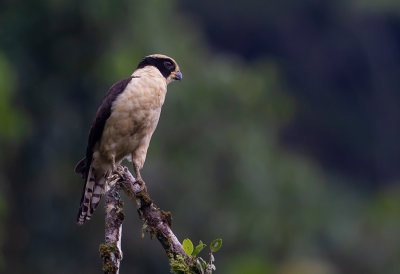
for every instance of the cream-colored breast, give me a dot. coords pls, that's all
(134, 117)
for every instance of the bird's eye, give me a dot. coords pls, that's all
(168, 65)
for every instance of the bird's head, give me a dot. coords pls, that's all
(166, 65)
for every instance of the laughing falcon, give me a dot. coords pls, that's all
(123, 126)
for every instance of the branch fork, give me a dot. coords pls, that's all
(157, 222)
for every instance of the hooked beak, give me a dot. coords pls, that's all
(178, 76)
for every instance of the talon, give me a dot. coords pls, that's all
(112, 180)
(121, 169)
(120, 173)
(141, 183)
(113, 177)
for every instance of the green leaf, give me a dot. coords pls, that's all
(144, 227)
(187, 246)
(215, 245)
(199, 248)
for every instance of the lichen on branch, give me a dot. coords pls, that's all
(157, 222)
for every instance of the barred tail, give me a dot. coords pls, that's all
(92, 192)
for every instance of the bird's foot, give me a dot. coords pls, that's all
(141, 183)
(120, 170)
(115, 176)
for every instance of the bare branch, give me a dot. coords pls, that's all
(111, 251)
(156, 221)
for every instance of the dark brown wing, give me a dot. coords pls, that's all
(96, 130)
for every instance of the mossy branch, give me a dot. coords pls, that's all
(156, 221)
(111, 251)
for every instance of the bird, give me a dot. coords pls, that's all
(123, 126)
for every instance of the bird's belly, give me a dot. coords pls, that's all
(125, 132)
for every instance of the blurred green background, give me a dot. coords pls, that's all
(282, 138)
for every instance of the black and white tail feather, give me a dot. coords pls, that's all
(92, 192)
